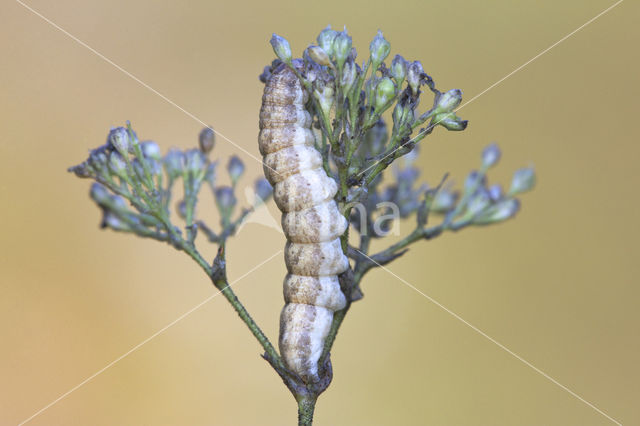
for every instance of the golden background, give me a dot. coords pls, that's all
(558, 285)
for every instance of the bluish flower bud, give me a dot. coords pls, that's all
(325, 99)
(174, 163)
(181, 209)
(342, 46)
(117, 164)
(119, 139)
(490, 155)
(225, 199)
(474, 180)
(99, 194)
(109, 219)
(326, 39)
(319, 56)
(379, 49)
(480, 201)
(523, 180)
(450, 121)
(281, 48)
(498, 212)
(150, 149)
(210, 174)
(399, 69)
(194, 162)
(207, 140)
(495, 192)
(449, 101)
(414, 76)
(263, 190)
(444, 201)
(97, 160)
(235, 167)
(385, 90)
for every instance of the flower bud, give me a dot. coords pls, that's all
(474, 180)
(523, 180)
(263, 190)
(281, 48)
(450, 121)
(150, 149)
(110, 220)
(99, 194)
(119, 139)
(210, 173)
(498, 212)
(449, 101)
(495, 192)
(325, 98)
(174, 163)
(480, 201)
(342, 46)
(206, 140)
(225, 199)
(235, 167)
(326, 39)
(181, 209)
(414, 76)
(117, 164)
(385, 90)
(194, 162)
(399, 69)
(379, 49)
(348, 76)
(319, 56)
(490, 155)
(444, 201)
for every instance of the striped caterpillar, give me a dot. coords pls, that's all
(311, 222)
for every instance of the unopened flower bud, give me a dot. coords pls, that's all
(235, 167)
(326, 39)
(210, 173)
(99, 194)
(114, 222)
(495, 192)
(450, 121)
(281, 48)
(474, 180)
(194, 162)
(449, 101)
(119, 139)
(319, 56)
(498, 212)
(348, 76)
(379, 49)
(490, 155)
(181, 209)
(225, 199)
(385, 90)
(150, 149)
(263, 190)
(206, 140)
(342, 46)
(444, 201)
(399, 69)
(414, 76)
(325, 99)
(480, 201)
(174, 163)
(523, 180)
(117, 164)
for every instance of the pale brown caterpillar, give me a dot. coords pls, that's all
(311, 222)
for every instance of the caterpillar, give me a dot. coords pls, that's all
(311, 223)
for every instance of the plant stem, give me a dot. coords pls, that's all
(306, 406)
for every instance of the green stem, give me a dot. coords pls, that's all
(306, 406)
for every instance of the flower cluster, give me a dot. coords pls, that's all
(134, 185)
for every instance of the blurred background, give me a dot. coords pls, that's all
(558, 285)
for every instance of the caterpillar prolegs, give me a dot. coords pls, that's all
(311, 222)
